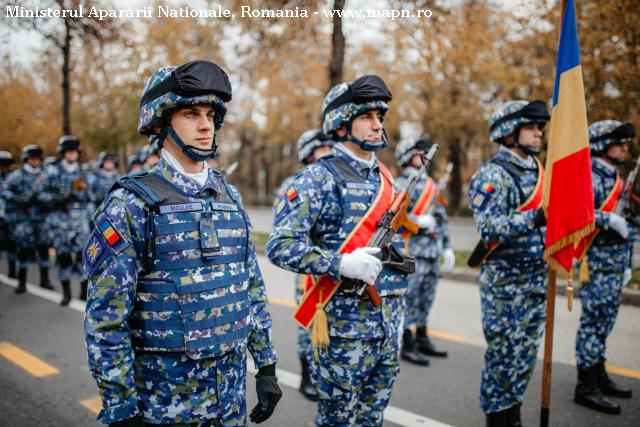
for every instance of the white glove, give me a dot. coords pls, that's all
(426, 222)
(361, 264)
(617, 223)
(626, 277)
(449, 260)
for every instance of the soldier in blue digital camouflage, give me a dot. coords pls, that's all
(609, 261)
(427, 246)
(151, 154)
(355, 375)
(176, 294)
(513, 278)
(63, 188)
(29, 230)
(105, 176)
(134, 163)
(9, 217)
(312, 145)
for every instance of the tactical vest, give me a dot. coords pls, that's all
(193, 296)
(530, 246)
(608, 237)
(356, 197)
(66, 181)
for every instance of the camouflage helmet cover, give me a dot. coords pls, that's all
(501, 125)
(607, 132)
(68, 143)
(31, 151)
(408, 148)
(6, 159)
(310, 140)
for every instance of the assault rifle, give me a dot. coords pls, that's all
(226, 173)
(627, 200)
(391, 221)
(442, 185)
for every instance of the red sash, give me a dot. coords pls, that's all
(533, 202)
(609, 205)
(423, 203)
(324, 287)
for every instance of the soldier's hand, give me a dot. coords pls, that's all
(626, 278)
(449, 259)
(268, 394)
(362, 265)
(129, 422)
(426, 222)
(619, 224)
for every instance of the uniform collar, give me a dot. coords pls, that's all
(361, 166)
(30, 169)
(605, 167)
(178, 179)
(506, 154)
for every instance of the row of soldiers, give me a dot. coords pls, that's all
(176, 296)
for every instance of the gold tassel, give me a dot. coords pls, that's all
(584, 271)
(570, 294)
(320, 331)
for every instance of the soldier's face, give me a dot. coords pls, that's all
(34, 162)
(71, 156)
(368, 126)
(321, 152)
(617, 151)
(530, 136)
(109, 166)
(194, 125)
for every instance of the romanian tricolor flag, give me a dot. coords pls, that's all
(568, 189)
(109, 233)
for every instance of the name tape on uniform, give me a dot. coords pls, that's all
(182, 207)
(223, 207)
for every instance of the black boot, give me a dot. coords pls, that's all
(589, 394)
(306, 387)
(66, 292)
(12, 270)
(513, 416)
(22, 282)
(607, 386)
(496, 419)
(425, 345)
(44, 278)
(409, 352)
(83, 290)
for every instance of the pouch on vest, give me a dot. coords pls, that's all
(208, 238)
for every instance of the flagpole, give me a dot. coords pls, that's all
(545, 401)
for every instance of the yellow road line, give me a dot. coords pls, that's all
(94, 404)
(26, 361)
(625, 372)
(283, 302)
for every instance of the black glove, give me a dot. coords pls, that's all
(129, 422)
(540, 220)
(268, 394)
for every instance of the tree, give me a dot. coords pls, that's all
(337, 46)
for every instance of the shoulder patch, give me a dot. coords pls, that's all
(94, 250)
(110, 234)
(479, 201)
(292, 194)
(487, 188)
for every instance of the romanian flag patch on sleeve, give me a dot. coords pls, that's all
(486, 187)
(292, 194)
(110, 234)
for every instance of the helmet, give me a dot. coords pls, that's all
(133, 160)
(310, 140)
(49, 160)
(193, 83)
(104, 156)
(408, 148)
(513, 115)
(6, 159)
(30, 152)
(68, 143)
(608, 132)
(347, 101)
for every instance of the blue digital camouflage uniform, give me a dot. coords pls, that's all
(102, 183)
(608, 257)
(67, 220)
(304, 348)
(149, 287)
(10, 220)
(355, 376)
(512, 280)
(427, 249)
(29, 229)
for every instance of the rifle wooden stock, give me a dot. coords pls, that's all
(402, 219)
(79, 184)
(374, 296)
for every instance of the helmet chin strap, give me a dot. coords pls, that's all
(613, 160)
(194, 153)
(365, 145)
(529, 151)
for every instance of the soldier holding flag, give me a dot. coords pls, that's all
(606, 268)
(506, 195)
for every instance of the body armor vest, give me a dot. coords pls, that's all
(193, 296)
(608, 237)
(356, 197)
(530, 246)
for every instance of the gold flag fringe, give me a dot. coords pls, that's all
(320, 331)
(584, 276)
(565, 241)
(570, 294)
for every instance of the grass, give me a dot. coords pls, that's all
(259, 239)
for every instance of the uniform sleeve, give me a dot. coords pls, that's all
(46, 187)
(113, 271)
(601, 218)
(9, 187)
(494, 209)
(314, 192)
(260, 343)
(442, 226)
